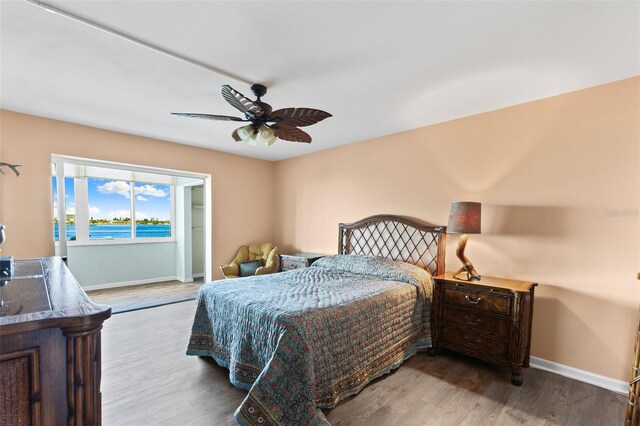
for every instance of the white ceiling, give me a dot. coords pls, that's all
(378, 67)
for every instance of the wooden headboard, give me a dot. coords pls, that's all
(396, 237)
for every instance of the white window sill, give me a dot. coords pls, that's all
(118, 242)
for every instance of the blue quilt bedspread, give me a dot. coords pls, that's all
(303, 340)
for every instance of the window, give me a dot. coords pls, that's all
(102, 208)
(109, 209)
(153, 210)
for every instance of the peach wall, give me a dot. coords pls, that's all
(26, 206)
(559, 180)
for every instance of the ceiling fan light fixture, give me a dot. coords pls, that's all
(252, 140)
(267, 135)
(248, 134)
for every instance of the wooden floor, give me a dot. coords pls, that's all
(130, 298)
(148, 380)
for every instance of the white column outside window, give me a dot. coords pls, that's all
(82, 209)
(132, 188)
(62, 210)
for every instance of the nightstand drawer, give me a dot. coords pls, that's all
(289, 264)
(480, 301)
(472, 342)
(475, 321)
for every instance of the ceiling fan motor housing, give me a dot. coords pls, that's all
(259, 90)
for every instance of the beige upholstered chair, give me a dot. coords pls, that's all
(267, 252)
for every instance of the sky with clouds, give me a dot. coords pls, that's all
(109, 199)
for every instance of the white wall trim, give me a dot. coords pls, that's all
(200, 275)
(121, 241)
(184, 279)
(81, 161)
(128, 283)
(618, 386)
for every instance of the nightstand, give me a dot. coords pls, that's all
(488, 319)
(298, 260)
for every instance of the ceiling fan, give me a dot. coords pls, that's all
(265, 124)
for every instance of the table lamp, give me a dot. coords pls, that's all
(464, 218)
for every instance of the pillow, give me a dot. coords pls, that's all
(249, 268)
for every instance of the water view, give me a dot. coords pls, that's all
(112, 232)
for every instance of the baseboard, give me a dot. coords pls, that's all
(200, 275)
(605, 382)
(127, 283)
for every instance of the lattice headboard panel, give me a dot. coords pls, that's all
(397, 238)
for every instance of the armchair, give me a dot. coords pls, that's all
(267, 252)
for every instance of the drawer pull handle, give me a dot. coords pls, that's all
(473, 301)
(476, 322)
(471, 341)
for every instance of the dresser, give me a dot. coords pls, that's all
(289, 262)
(488, 319)
(50, 366)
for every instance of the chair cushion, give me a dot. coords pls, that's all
(259, 251)
(248, 269)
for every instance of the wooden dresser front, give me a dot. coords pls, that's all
(50, 367)
(488, 319)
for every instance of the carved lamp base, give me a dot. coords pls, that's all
(467, 266)
(472, 274)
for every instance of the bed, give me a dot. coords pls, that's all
(302, 340)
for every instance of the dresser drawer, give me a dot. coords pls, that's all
(476, 321)
(473, 342)
(496, 303)
(289, 263)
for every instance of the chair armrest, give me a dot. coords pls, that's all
(231, 269)
(273, 260)
(263, 270)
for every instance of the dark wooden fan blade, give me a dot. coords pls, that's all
(291, 133)
(240, 101)
(299, 117)
(235, 136)
(208, 116)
